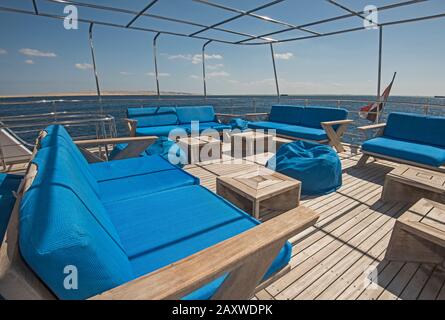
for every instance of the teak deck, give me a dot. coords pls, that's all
(350, 238)
(332, 259)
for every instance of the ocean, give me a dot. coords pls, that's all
(116, 106)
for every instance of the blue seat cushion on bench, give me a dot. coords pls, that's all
(267, 125)
(103, 171)
(153, 116)
(199, 113)
(57, 231)
(295, 131)
(8, 184)
(168, 226)
(144, 184)
(207, 125)
(160, 131)
(305, 133)
(406, 150)
(313, 116)
(286, 114)
(423, 129)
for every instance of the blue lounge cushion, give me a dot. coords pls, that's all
(8, 184)
(314, 116)
(317, 166)
(56, 167)
(153, 116)
(57, 231)
(160, 131)
(199, 113)
(144, 184)
(286, 114)
(267, 125)
(58, 138)
(112, 170)
(305, 133)
(206, 125)
(178, 225)
(407, 150)
(422, 129)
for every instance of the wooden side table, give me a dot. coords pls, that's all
(419, 234)
(201, 148)
(260, 192)
(245, 144)
(409, 184)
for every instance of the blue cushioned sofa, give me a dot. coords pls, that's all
(160, 121)
(408, 138)
(115, 222)
(319, 124)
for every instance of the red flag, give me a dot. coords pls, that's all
(370, 111)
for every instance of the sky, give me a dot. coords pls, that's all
(38, 55)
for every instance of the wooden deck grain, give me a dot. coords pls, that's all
(336, 258)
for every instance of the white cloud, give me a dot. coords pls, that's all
(179, 56)
(217, 74)
(284, 56)
(215, 66)
(29, 61)
(83, 66)
(194, 76)
(160, 74)
(125, 73)
(195, 59)
(3, 51)
(37, 53)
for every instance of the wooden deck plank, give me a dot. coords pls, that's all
(329, 260)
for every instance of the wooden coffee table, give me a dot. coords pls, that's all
(409, 184)
(261, 192)
(201, 148)
(245, 144)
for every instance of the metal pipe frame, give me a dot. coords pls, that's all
(379, 80)
(151, 4)
(337, 18)
(90, 33)
(204, 81)
(250, 13)
(275, 72)
(155, 60)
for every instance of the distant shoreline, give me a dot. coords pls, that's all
(151, 94)
(92, 94)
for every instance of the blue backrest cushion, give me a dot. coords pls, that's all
(153, 116)
(199, 113)
(58, 137)
(58, 233)
(63, 223)
(416, 128)
(286, 114)
(313, 116)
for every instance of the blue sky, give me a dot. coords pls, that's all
(37, 55)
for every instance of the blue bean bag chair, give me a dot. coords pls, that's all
(317, 166)
(239, 123)
(161, 147)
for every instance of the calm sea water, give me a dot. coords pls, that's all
(117, 105)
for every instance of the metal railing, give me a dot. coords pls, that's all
(21, 131)
(90, 109)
